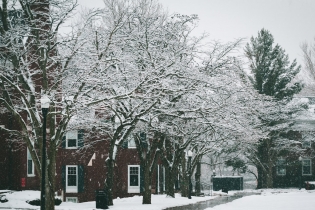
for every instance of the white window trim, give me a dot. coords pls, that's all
(133, 189)
(71, 189)
(33, 169)
(76, 147)
(303, 174)
(70, 198)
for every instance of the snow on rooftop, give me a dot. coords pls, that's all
(307, 91)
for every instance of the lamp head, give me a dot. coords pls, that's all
(45, 102)
(189, 153)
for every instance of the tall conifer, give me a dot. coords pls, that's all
(271, 67)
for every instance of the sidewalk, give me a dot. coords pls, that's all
(213, 202)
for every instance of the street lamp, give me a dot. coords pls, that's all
(189, 154)
(300, 174)
(44, 105)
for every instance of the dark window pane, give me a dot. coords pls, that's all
(134, 181)
(306, 166)
(306, 170)
(72, 143)
(72, 176)
(72, 180)
(134, 176)
(29, 167)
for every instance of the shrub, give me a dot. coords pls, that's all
(36, 202)
(3, 199)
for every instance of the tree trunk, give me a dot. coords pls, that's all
(184, 179)
(50, 177)
(265, 177)
(147, 179)
(260, 182)
(197, 178)
(161, 179)
(269, 176)
(109, 180)
(170, 182)
(265, 164)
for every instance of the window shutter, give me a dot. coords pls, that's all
(125, 144)
(63, 178)
(63, 143)
(143, 139)
(80, 138)
(80, 178)
(141, 179)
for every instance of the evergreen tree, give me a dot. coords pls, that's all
(272, 76)
(271, 68)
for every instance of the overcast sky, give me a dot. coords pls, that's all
(291, 22)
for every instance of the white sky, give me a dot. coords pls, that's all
(291, 22)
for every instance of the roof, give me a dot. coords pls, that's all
(307, 92)
(304, 125)
(306, 120)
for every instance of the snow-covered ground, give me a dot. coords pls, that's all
(18, 200)
(276, 199)
(285, 199)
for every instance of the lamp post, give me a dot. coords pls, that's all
(189, 154)
(300, 174)
(211, 182)
(44, 105)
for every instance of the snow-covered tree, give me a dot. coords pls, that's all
(308, 51)
(213, 116)
(146, 59)
(33, 64)
(272, 76)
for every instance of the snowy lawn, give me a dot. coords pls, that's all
(277, 199)
(18, 200)
(284, 199)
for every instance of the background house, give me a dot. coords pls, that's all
(80, 168)
(293, 169)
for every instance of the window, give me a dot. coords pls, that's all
(306, 139)
(30, 165)
(72, 179)
(161, 178)
(131, 142)
(306, 167)
(72, 139)
(306, 144)
(72, 199)
(133, 179)
(281, 167)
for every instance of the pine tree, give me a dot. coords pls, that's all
(271, 68)
(272, 76)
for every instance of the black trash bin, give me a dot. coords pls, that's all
(101, 199)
